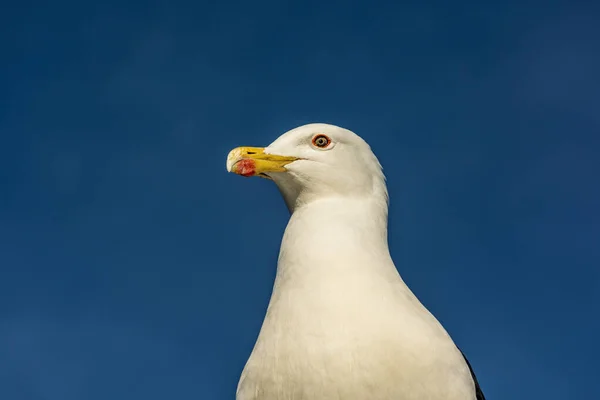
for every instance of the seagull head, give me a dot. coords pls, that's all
(313, 162)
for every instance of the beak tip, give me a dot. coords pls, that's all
(234, 156)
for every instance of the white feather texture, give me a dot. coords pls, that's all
(341, 323)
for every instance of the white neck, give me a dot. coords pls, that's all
(334, 252)
(328, 229)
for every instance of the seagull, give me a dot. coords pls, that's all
(341, 323)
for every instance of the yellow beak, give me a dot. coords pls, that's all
(252, 161)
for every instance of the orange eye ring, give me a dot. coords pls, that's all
(321, 141)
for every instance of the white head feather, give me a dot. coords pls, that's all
(346, 167)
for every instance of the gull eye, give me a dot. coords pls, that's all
(321, 141)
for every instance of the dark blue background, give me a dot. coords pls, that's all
(132, 266)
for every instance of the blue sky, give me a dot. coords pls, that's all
(132, 266)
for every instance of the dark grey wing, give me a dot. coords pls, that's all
(478, 392)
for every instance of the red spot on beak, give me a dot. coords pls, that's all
(246, 167)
